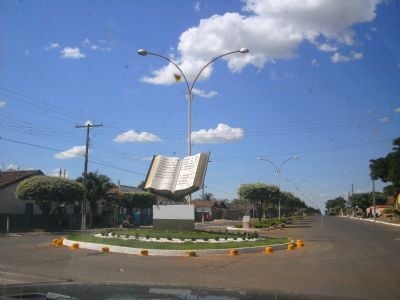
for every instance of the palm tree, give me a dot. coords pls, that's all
(97, 186)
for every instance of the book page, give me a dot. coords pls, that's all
(187, 172)
(164, 176)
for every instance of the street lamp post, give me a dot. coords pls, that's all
(278, 172)
(202, 204)
(190, 86)
(296, 186)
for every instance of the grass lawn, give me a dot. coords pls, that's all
(149, 233)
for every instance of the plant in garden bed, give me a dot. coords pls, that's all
(175, 246)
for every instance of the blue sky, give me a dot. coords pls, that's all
(321, 81)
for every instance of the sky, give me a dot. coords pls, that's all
(321, 81)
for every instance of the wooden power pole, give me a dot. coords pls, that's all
(83, 207)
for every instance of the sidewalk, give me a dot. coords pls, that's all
(374, 221)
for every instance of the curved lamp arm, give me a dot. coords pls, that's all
(274, 165)
(284, 162)
(190, 87)
(145, 52)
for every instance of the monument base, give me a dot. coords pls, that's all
(173, 217)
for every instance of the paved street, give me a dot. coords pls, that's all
(342, 257)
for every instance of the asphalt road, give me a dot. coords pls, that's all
(343, 258)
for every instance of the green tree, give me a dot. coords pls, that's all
(259, 195)
(361, 200)
(132, 201)
(291, 204)
(97, 188)
(335, 205)
(387, 168)
(365, 200)
(49, 193)
(138, 200)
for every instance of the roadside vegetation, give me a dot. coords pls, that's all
(271, 222)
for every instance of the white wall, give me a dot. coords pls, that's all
(10, 205)
(173, 212)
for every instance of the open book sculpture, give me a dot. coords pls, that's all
(174, 177)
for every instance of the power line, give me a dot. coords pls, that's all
(29, 144)
(305, 151)
(46, 108)
(96, 161)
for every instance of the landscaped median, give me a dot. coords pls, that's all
(167, 243)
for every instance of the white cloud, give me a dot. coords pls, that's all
(327, 48)
(384, 120)
(12, 167)
(56, 173)
(314, 63)
(53, 46)
(134, 137)
(196, 7)
(73, 53)
(74, 152)
(337, 57)
(397, 109)
(148, 158)
(87, 43)
(279, 76)
(203, 94)
(221, 134)
(2, 103)
(270, 29)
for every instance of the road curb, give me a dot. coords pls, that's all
(159, 252)
(372, 221)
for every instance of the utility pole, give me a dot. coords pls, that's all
(373, 198)
(61, 173)
(83, 208)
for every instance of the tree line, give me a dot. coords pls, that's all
(51, 194)
(386, 169)
(265, 199)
